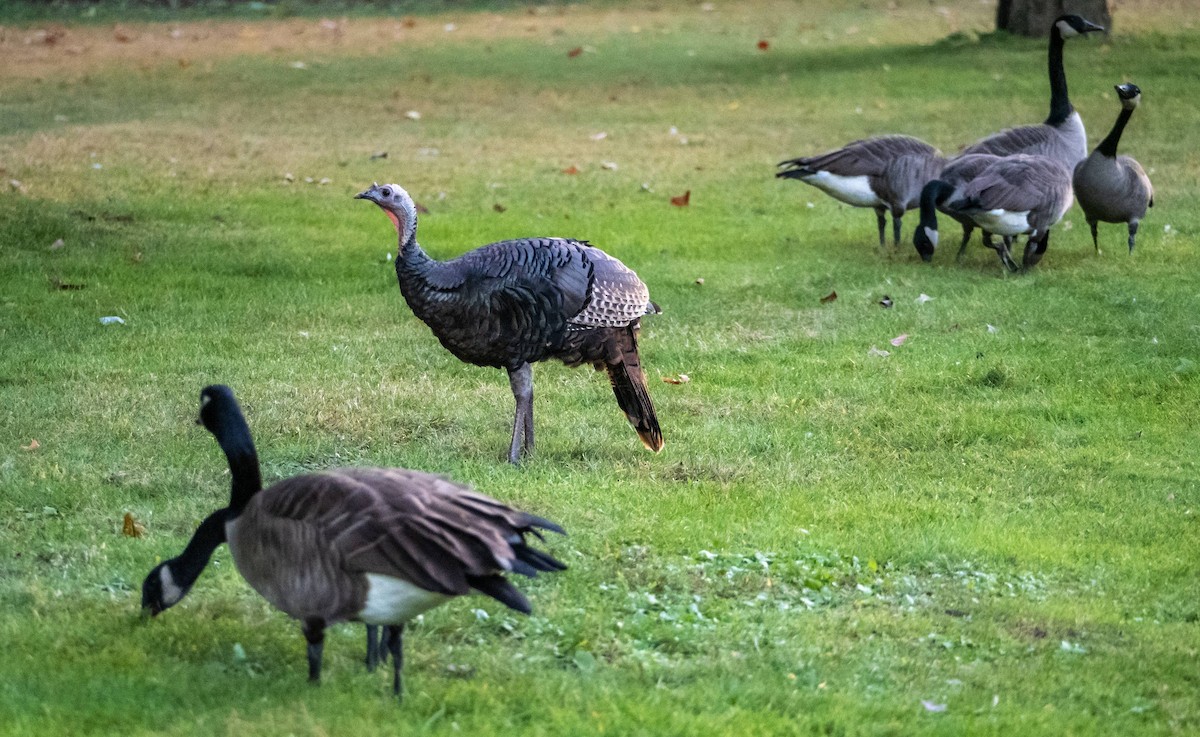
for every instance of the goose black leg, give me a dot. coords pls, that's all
(1034, 250)
(394, 634)
(1004, 249)
(962, 247)
(521, 381)
(1133, 226)
(896, 228)
(881, 218)
(314, 632)
(373, 649)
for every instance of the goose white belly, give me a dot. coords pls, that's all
(851, 190)
(1003, 222)
(393, 601)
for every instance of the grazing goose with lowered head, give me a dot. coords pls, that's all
(937, 194)
(375, 545)
(885, 173)
(170, 581)
(1018, 195)
(1111, 188)
(1061, 136)
(513, 303)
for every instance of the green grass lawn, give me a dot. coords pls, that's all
(991, 530)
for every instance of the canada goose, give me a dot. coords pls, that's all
(935, 195)
(170, 581)
(376, 545)
(1018, 195)
(885, 173)
(1061, 136)
(1111, 188)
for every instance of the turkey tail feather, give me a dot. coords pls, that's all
(629, 386)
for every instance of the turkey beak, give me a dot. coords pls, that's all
(365, 195)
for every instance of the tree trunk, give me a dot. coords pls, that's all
(1033, 17)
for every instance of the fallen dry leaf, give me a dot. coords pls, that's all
(923, 298)
(57, 244)
(763, 45)
(899, 339)
(681, 379)
(700, 280)
(122, 35)
(131, 527)
(683, 199)
(572, 169)
(878, 353)
(33, 445)
(574, 52)
(408, 22)
(829, 297)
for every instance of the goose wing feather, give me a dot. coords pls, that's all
(1020, 183)
(865, 157)
(410, 525)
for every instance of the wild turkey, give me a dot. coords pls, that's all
(885, 173)
(1061, 136)
(1111, 188)
(512, 303)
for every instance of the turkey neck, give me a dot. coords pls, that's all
(413, 266)
(1060, 104)
(1108, 147)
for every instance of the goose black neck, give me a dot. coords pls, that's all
(1060, 103)
(188, 565)
(933, 194)
(1108, 147)
(233, 435)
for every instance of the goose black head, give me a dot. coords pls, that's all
(1130, 95)
(1069, 26)
(215, 401)
(396, 204)
(926, 240)
(159, 591)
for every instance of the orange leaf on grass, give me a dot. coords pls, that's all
(683, 199)
(763, 45)
(574, 52)
(131, 527)
(572, 169)
(33, 445)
